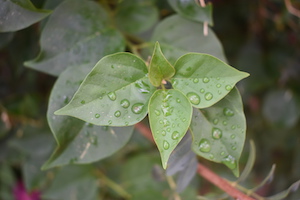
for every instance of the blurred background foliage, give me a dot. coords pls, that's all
(259, 37)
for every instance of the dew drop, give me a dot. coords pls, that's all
(202, 90)
(230, 162)
(166, 145)
(211, 156)
(157, 112)
(163, 133)
(193, 97)
(218, 78)
(167, 110)
(97, 115)
(218, 85)
(216, 133)
(94, 140)
(117, 113)
(161, 121)
(125, 103)
(112, 96)
(204, 145)
(178, 100)
(175, 135)
(196, 80)
(168, 129)
(126, 123)
(228, 112)
(174, 83)
(233, 148)
(137, 108)
(222, 153)
(233, 127)
(215, 121)
(205, 80)
(228, 87)
(105, 128)
(109, 122)
(66, 99)
(183, 119)
(82, 102)
(224, 122)
(208, 96)
(232, 136)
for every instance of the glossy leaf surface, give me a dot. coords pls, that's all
(140, 15)
(159, 68)
(176, 41)
(191, 10)
(19, 14)
(76, 33)
(79, 142)
(219, 131)
(204, 79)
(169, 116)
(115, 93)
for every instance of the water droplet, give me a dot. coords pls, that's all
(228, 87)
(196, 80)
(82, 102)
(163, 133)
(94, 140)
(125, 103)
(174, 83)
(208, 96)
(232, 136)
(228, 112)
(188, 69)
(97, 115)
(193, 97)
(183, 119)
(211, 156)
(204, 145)
(233, 127)
(105, 128)
(112, 66)
(168, 129)
(166, 123)
(112, 96)
(218, 85)
(216, 133)
(202, 90)
(224, 122)
(157, 112)
(233, 148)
(117, 113)
(66, 99)
(218, 78)
(167, 110)
(222, 153)
(137, 108)
(161, 121)
(109, 122)
(215, 121)
(205, 80)
(166, 145)
(178, 100)
(175, 135)
(230, 162)
(126, 123)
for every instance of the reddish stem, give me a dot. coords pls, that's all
(202, 170)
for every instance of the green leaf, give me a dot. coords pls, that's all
(204, 79)
(191, 10)
(73, 182)
(136, 16)
(19, 14)
(159, 68)
(76, 33)
(176, 41)
(219, 131)
(79, 142)
(169, 116)
(115, 93)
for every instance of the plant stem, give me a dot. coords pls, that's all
(203, 171)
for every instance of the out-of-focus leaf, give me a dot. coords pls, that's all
(268, 179)
(136, 16)
(7, 181)
(73, 182)
(176, 40)
(219, 131)
(79, 142)
(19, 14)
(169, 116)
(249, 165)
(280, 108)
(76, 33)
(183, 161)
(191, 10)
(5, 38)
(159, 68)
(137, 178)
(282, 195)
(115, 93)
(204, 79)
